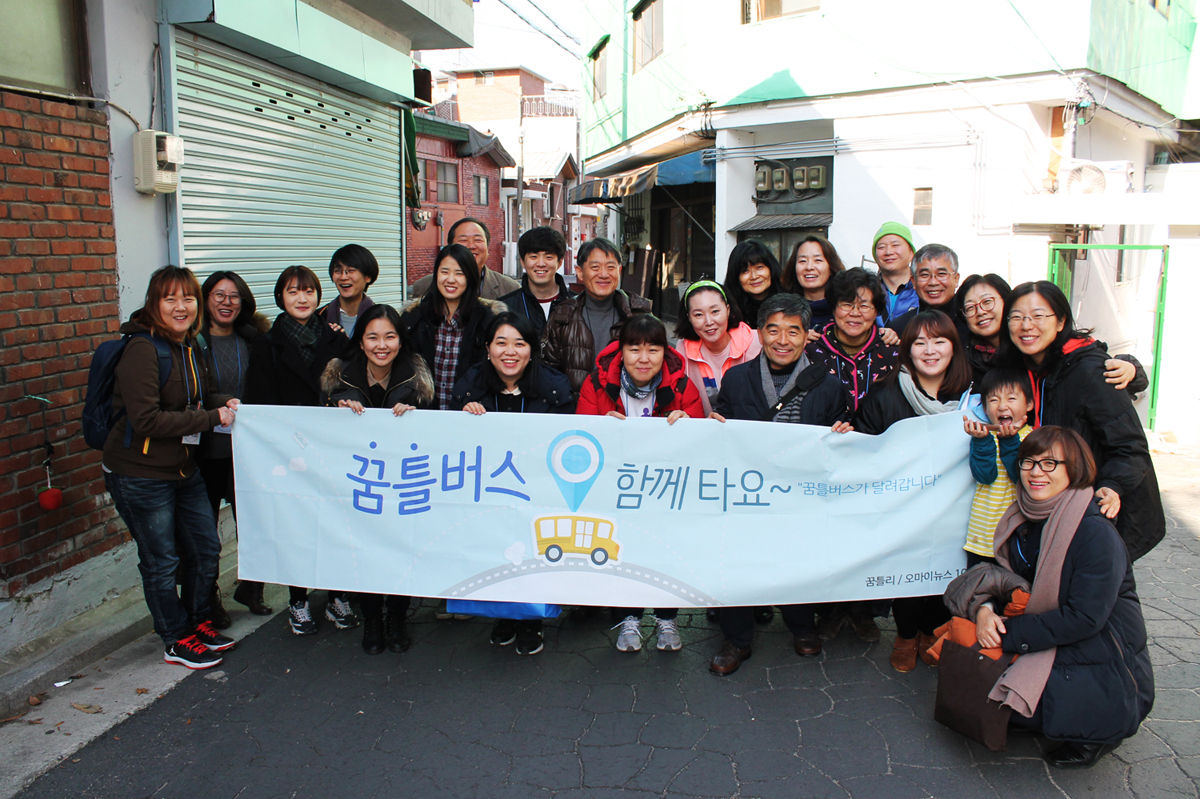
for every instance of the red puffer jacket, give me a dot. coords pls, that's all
(601, 390)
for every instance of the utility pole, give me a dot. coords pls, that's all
(521, 166)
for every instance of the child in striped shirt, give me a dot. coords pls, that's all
(1007, 398)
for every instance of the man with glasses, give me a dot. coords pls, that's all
(352, 269)
(935, 275)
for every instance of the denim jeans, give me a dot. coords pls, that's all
(174, 528)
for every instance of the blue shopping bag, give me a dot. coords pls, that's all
(520, 611)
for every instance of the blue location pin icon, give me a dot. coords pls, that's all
(575, 459)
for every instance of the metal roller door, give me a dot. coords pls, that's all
(282, 169)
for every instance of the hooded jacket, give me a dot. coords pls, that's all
(160, 418)
(744, 345)
(277, 374)
(551, 392)
(523, 303)
(1074, 394)
(742, 395)
(410, 382)
(601, 390)
(567, 343)
(858, 372)
(422, 321)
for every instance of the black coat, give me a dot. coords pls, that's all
(409, 383)
(1075, 395)
(742, 395)
(886, 405)
(523, 303)
(422, 321)
(1101, 685)
(278, 376)
(551, 392)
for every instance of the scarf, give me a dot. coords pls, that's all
(790, 413)
(302, 335)
(921, 402)
(1021, 685)
(639, 393)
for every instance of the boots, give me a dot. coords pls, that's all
(216, 611)
(251, 595)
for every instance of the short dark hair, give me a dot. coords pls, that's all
(249, 306)
(357, 257)
(598, 243)
(936, 324)
(1061, 307)
(827, 249)
(844, 286)
(542, 239)
(527, 381)
(1077, 455)
(750, 251)
(1000, 378)
(790, 305)
(305, 279)
(487, 234)
(930, 252)
(643, 328)
(377, 311)
(683, 325)
(466, 261)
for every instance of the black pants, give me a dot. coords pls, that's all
(738, 623)
(372, 605)
(218, 481)
(666, 614)
(916, 614)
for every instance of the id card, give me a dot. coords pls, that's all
(193, 439)
(223, 428)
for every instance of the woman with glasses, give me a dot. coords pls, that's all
(1066, 367)
(231, 324)
(712, 338)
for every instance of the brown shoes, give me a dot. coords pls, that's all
(807, 646)
(904, 654)
(923, 643)
(728, 659)
(864, 627)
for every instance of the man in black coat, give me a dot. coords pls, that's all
(542, 250)
(780, 385)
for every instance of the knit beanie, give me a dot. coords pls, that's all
(893, 229)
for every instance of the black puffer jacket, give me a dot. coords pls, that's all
(1102, 685)
(742, 395)
(551, 391)
(523, 303)
(410, 382)
(886, 405)
(422, 321)
(1074, 394)
(567, 344)
(277, 375)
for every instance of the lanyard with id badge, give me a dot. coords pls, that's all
(189, 359)
(224, 428)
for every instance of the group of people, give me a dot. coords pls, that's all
(1061, 460)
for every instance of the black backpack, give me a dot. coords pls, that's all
(98, 420)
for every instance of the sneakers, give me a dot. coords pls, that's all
(300, 619)
(504, 633)
(191, 653)
(630, 637)
(207, 634)
(668, 635)
(340, 613)
(529, 638)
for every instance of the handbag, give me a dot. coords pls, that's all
(965, 678)
(494, 609)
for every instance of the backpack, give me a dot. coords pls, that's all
(97, 420)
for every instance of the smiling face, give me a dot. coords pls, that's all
(855, 320)
(935, 281)
(893, 254)
(299, 303)
(350, 282)
(812, 269)
(541, 268)
(381, 343)
(178, 309)
(471, 236)
(931, 355)
(1008, 405)
(1040, 484)
(755, 279)
(709, 314)
(983, 310)
(783, 339)
(450, 280)
(509, 353)
(600, 273)
(642, 361)
(224, 304)
(1033, 326)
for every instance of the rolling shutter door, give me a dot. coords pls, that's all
(282, 169)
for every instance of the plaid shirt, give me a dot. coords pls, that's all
(448, 341)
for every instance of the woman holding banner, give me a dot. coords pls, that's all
(285, 369)
(511, 380)
(640, 376)
(381, 370)
(934, 377)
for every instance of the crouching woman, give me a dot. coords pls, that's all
(1083, 676)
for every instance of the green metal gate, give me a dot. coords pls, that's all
(282, 169)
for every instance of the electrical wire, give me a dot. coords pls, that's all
(76, 97)
(555, 22)
(531, 24)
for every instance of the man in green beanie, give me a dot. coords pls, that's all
(893, 249)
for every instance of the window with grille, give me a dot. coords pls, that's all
(481, 189)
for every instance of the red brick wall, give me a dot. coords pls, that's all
(58, 301)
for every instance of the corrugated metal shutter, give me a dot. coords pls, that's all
(282, 169)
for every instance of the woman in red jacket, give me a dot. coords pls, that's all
(639, 375)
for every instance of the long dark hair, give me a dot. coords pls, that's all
(751, 251)
(1061, 308)
(249, 306)
(433, 300)
(354, 349)
(935, 324)
(683, 326)
(790, 282)
(527, 382)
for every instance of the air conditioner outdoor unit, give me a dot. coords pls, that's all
(1078, 176)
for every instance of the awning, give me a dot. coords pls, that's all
(781, 221)
(684, 170)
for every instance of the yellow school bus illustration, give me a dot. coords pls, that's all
(584, 536)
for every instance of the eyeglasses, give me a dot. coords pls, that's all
(1037, 318)
(1047, 465)
(986, 304)
(941, 275)
(222, 298)
(348, 271)
(864, 308)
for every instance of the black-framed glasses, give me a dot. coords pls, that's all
(1047, 465)
(986, 304)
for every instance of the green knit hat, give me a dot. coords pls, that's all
(893, 229)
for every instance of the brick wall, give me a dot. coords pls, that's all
(58, 301)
